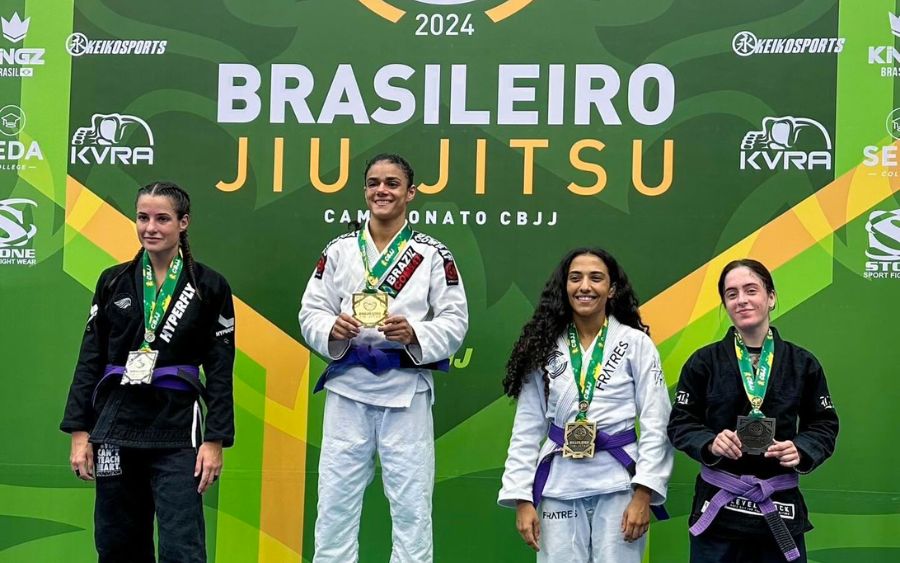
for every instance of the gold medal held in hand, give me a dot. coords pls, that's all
(580, 437)
(370, 308)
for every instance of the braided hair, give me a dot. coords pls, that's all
(181, 201)
(554, 313)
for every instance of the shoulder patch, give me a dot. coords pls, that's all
(451, 274)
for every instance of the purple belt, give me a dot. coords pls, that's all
(376, 360)
(753, 489)
(612, 443)
(177, 378)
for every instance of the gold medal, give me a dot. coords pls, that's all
(580, 437)
(370, 308)
(139, 367)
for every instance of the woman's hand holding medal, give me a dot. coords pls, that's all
(345, 327)
(397, 329)
(726, 444)
(785, 452)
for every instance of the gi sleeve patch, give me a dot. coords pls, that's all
(450, 274)
(320, 266)
(89, 325)
(682, 398)
(825, 402)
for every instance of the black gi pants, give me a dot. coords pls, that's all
(752, 549)
(148, 481)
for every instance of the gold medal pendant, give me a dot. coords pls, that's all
(371, 309)
(139, 367)
(580, 437)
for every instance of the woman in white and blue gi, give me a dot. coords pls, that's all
(755, 411)
(385, 304)
(134, 404)
(583, 369)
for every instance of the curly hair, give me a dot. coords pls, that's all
(554, 313)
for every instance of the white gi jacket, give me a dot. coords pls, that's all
(631, 384)
(431, 297)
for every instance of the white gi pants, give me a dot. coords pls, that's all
(587, 530)
(404, 440)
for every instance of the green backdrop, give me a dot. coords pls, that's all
(678, 135)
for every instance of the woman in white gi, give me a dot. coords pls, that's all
(755, 411)
(582, 370)
(386, 306)
(134, 404)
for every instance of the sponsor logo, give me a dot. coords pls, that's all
(682, 398)
(556, 364)
(320, 266)
(559, 514)
(109, 462)
(883, 252)
(177, 312)
(746, 43)
(406, 266)
(745, 506)
(78, 44)
(786, 143)
(228, 325)
(12, 120)
(113, 139)
(123, 303)
(886, 57)
(93, 313)
(883, 160)
(825, 401)
(16, 233)
(17, 62)
(15, 29)
(611, 363)
(656, 370)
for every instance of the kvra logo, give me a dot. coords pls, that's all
(104, 141)
(787, 142)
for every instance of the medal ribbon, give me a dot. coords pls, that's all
(755, 384)
(375, 272)
(155, 304)
(586, 379)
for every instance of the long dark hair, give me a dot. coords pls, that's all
(181, 202)
(553, 314)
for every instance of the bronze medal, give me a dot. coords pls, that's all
(755, 434)
(370, 308)
(139, 367)
(580, 437)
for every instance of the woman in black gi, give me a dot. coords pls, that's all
(755, 411)
(133, 409)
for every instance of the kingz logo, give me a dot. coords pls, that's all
(785, 143)
(15, 29)
(103, 142)
(16, 232)
(884, 245)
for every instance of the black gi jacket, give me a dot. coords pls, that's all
(147, 416)
(710, 396)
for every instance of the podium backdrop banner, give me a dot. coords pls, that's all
(677, 135)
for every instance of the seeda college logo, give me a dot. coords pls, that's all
(113, 138)
(786, 143)
(451, 18)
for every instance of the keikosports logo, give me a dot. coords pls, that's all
(113, 138)
(746, 43)
(78, 44)
(884, 245)
(464, 18)
(15, 62)
(886, 56)
(16, 232)
(785, 143)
